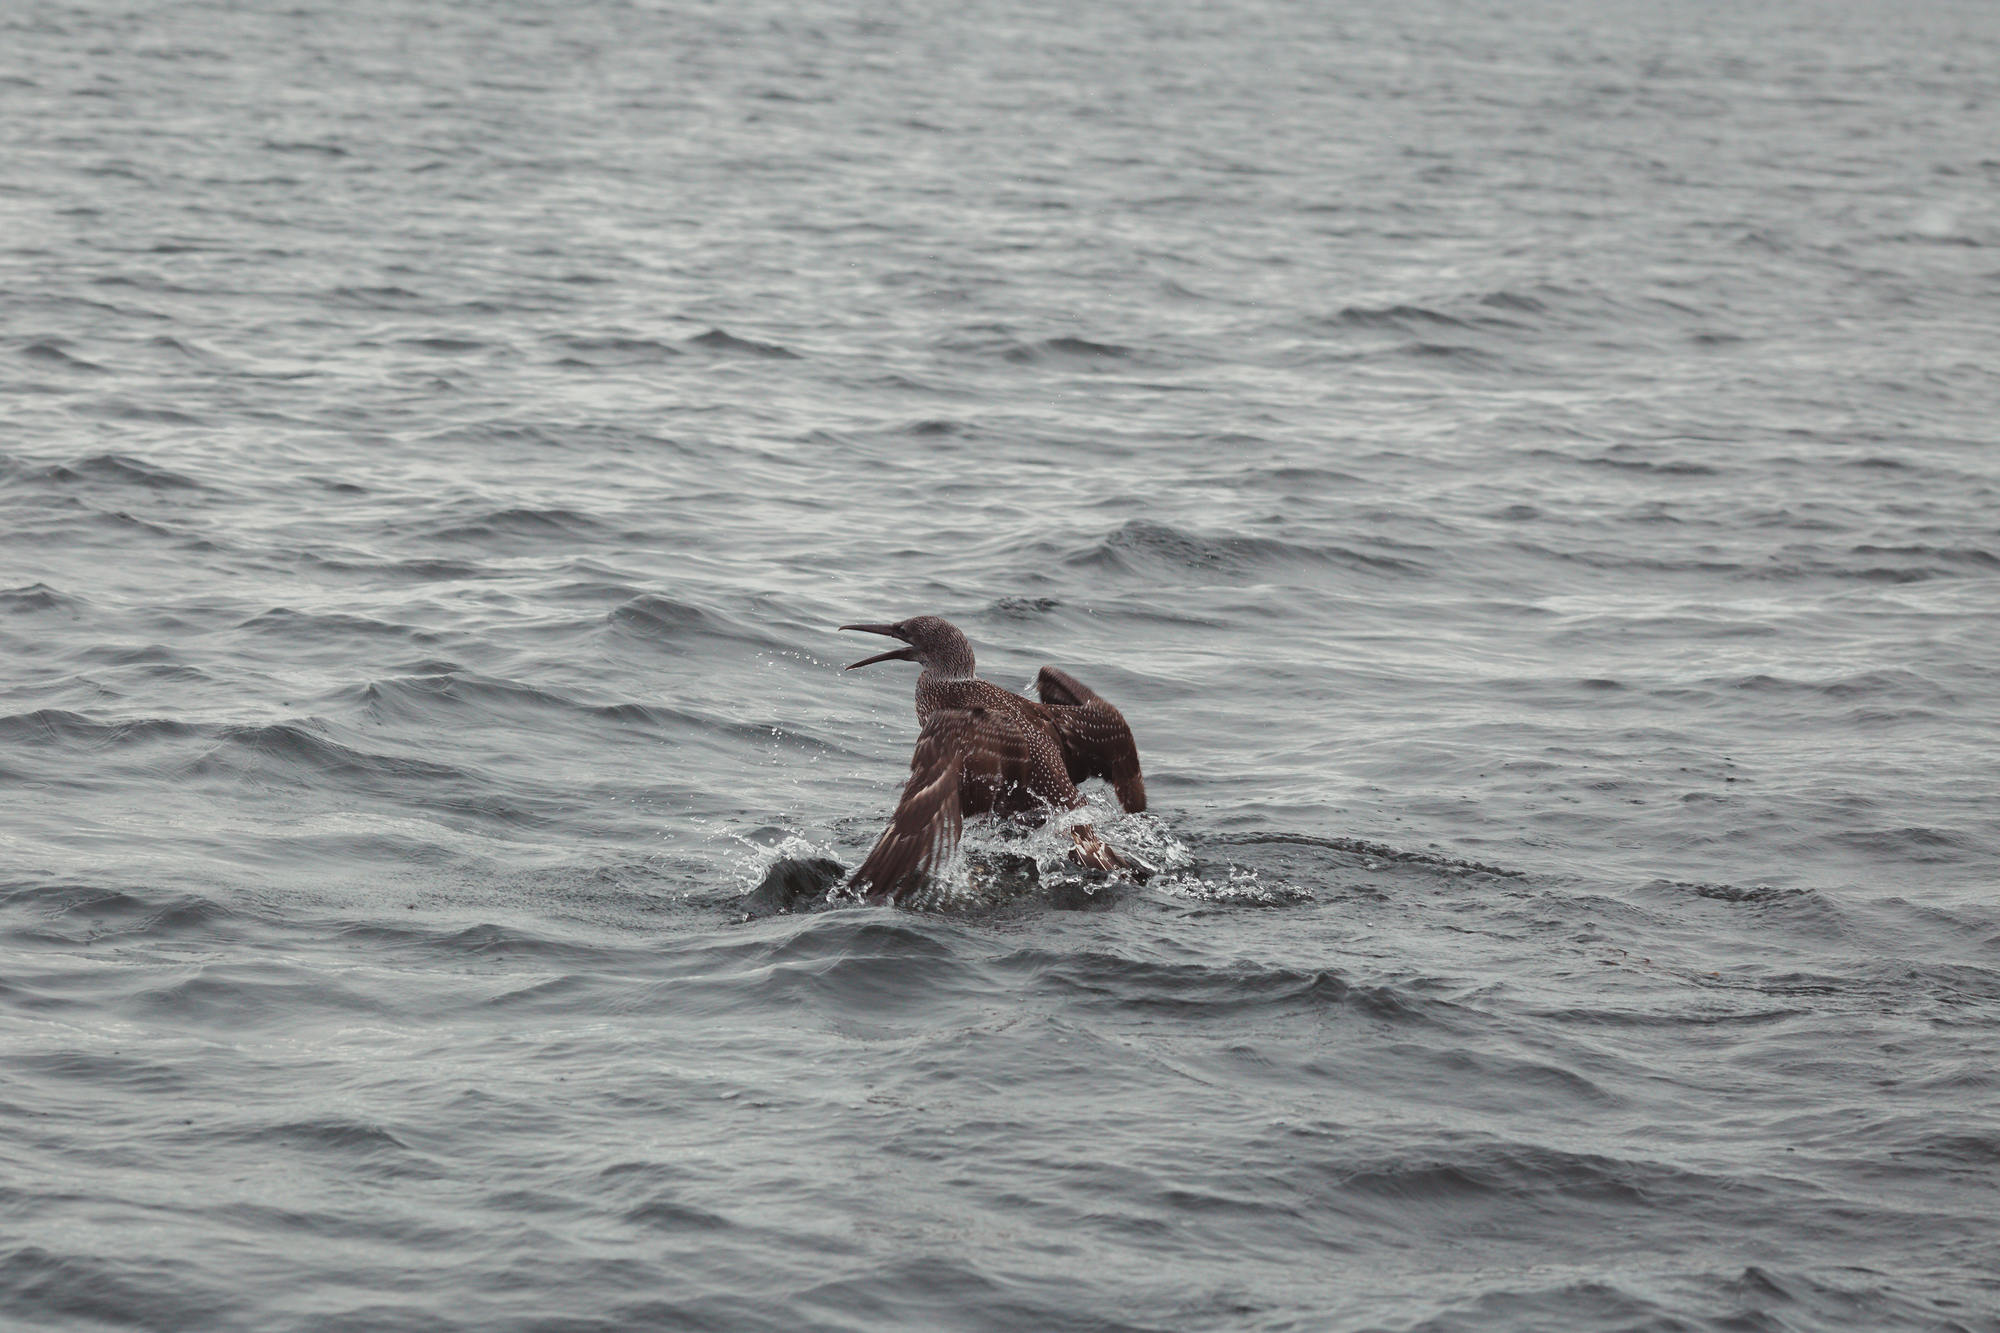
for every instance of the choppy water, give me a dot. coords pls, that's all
(1527, 472)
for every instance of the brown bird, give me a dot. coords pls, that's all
(984, 750)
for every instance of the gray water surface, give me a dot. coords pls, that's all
(1527, 473)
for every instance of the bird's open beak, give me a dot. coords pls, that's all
(893, 655)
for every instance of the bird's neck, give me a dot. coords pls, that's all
(935, 689)
(940, 674)
(954, 663)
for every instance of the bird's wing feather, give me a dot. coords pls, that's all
(1096, 742)
(958, 748)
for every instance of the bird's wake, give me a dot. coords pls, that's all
(998, 862)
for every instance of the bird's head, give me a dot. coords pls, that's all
(934, 642)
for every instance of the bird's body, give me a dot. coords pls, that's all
(985, 750)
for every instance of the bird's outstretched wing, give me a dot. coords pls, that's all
(1096, 743)
(964, 757)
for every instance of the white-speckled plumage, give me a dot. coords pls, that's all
(983, 750)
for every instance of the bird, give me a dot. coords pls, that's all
(985, 750)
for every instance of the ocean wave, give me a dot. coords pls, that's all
(1403, 318)
(1627, 459)
(49, 1288)
(532, 521)
(117, 470)
(1771, 1296)
(422, 937)
(1477, 1170)
(1757, 895)
(416, 570)
(606, 350)
(1067, 348)
(662, 619)
(445, 345)
(1023, 608)
(656, 618)
(492, 940)
(671, 1215)
(437, 697)
(63, 728)
(1883, 683)
(330, 626)
(1948, 991)
(1296, 478)
(720, 340)
(859, 962)
(300, 752)
(71, 913)
(937, 428)
(33, 598)
(238, 997)
(1917, 843)
(107, 1072)
(52, 352)
(1369, 855)
(1192, 990)
(1977, 557)
(1140, 544)
(349, 1139)
(1799, 563)
(388, 297)
(116, 408)
(180, 350)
